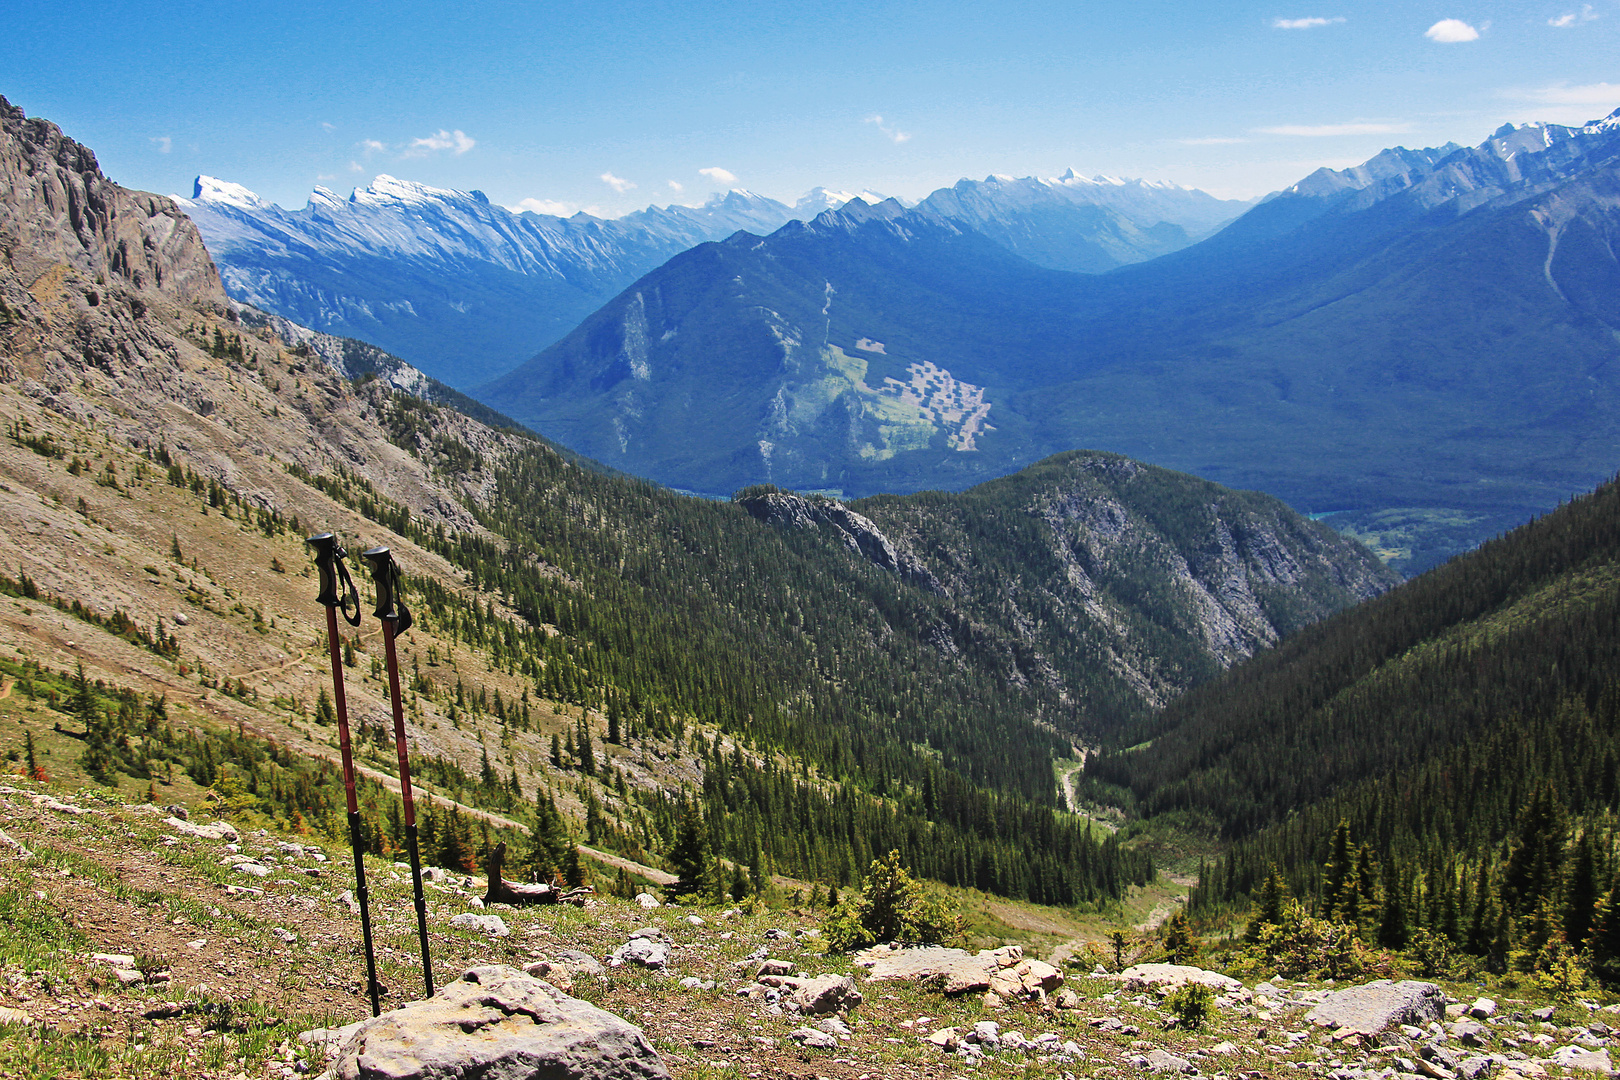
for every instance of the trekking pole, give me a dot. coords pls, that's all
(329, 555)
(396, 619)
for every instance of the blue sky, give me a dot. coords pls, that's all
(609, 106)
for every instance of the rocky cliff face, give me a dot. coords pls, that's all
(112, 315)
(1091, 561)
(60, 217)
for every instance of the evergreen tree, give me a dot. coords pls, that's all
(1581, 891)
(1269, 910)
(573, 868)
(1393, 930)
(1603, 941)
(689, 858)
(1336, 872)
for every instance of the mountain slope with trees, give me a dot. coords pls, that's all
(1458, 736)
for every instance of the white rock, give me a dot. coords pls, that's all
(493, 925)
(647, 900)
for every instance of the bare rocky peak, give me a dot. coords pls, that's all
(59, 211)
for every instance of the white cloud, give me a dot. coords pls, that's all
(676, 186)
(372, 146)
(895, 134)
(1451, 31)
(1572, 18)
(455, 141)
(1326, 130)
(163, 143)
(543, 206)
(1305, 24)
(617, 183)
(719, 175)
(326, 176)
(328, 126)
(1213, 140)
(1607, 94)
(355, 166)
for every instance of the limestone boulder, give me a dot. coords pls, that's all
(496, 1023)
(1142, 976)
(1377, 1005)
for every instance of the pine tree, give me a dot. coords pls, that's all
(1269, 910)
(1603, 942)
(689, 858)
(1393, 929)
(556, 751)
(1581, 891)
(1336, 872)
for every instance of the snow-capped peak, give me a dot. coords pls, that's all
(386, 190)
(209, 189)
(818, 199)
(1608, 123)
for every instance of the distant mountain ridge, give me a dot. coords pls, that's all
(467, 289)
(1429, 333)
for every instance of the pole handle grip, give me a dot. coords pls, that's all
(329, 556)
(385, 574)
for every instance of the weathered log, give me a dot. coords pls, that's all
(501, 891)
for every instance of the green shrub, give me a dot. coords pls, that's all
(892, 906)
(1190, 1002)
(1302, 945)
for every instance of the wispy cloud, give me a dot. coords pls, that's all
(1212, 140)
(617, 183)
(1574, 18)
(326, 176)
(719, 175)
(1601, 93)
(1305, 24)
(1451, 31)
(543, 206)
(355, 166)
(1324, 130)
(372, 146)
(895, 135)
(456, 142)
(676, 186)
(328, 125)
(163, 143)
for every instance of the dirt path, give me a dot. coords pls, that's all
(619, 862)
(5, 690)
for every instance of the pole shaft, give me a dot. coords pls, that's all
(402, 748)
(346, 753)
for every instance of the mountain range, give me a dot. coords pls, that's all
(918, 660)
(466, 289)
(1424, 342)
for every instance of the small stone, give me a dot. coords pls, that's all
(284, 935)
(1477, 1068)
(1482, 1008)
(128, 976)
(1544, 1014)
(813, 1039)
(254, 869)
(493, 925)
(648, 952)
(647, 900)
(1576, 1057)
(1164, 1061)
(826, 994)
(945, 1038)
